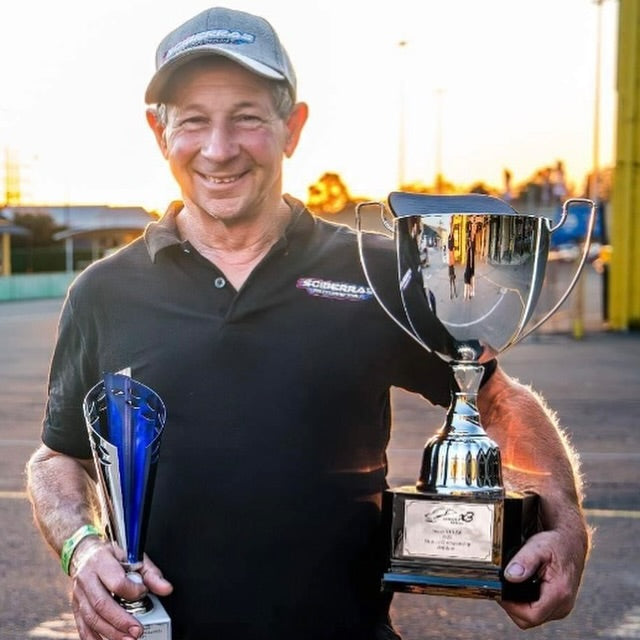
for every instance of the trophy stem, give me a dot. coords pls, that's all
(461, 459)
(463, 417)
(142, 605)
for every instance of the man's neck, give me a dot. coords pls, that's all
(235, 248)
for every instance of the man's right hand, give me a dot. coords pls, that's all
(97, 577)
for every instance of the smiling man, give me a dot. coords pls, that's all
(253, 321)
(224, 138)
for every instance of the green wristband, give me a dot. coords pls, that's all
(71, 543)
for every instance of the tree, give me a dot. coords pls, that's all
(328, 195)
(481, 188)
(41, 225)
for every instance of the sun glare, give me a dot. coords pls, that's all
(474, 89)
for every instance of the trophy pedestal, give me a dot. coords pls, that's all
(457, 545)
(156, 621)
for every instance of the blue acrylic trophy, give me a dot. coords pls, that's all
(125, 420)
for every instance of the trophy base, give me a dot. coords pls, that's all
(156, 621)
(457, 545)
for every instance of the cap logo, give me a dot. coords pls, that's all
(215, 36)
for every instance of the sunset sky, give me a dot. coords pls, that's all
(481, 85)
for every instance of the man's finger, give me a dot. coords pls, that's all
(103, 617)
(529, 560)
(154, 579)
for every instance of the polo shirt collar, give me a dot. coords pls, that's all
(163, 234)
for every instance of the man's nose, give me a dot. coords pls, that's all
(219, 143)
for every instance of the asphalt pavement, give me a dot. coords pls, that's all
(592, 383)
(593, 386)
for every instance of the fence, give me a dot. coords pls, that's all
(35, 285)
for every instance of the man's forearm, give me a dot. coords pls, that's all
(536, 453)
(62, 494)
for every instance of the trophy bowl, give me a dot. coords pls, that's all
(470, 269)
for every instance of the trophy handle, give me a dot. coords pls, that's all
(585, 252)
(373, 203)
(363, 262)
(385, 221)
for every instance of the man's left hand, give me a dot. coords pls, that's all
(558, 559)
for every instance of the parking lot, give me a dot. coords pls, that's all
(593, 384)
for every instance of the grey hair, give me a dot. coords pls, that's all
(283, 103)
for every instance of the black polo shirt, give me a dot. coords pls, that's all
(277, 398)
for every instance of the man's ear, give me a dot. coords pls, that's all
(295, 124)
(158, 130)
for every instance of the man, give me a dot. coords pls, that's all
(253, 322)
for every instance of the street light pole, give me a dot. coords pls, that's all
(402, 124)
(594, 191)
(439, 176)
(594, 183)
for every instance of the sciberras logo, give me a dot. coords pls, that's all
(334, 290)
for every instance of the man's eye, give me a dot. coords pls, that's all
(248, 118)
(192, 121)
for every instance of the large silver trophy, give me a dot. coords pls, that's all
(125, 420)
(469, 273)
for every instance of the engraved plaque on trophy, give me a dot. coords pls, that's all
(125, 420)
(469, 273)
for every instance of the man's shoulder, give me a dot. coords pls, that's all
(130, 259)
(334, 229)
(342, 232)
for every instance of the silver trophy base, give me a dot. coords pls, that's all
(156, 621)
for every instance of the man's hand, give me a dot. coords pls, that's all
(537, 456)
(558, 559)
(63, 495)
(97, 574)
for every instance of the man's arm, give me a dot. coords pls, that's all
(62, 491)
(536, 455)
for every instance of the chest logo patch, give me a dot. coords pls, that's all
(334, 290)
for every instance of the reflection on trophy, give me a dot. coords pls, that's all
(125, 420)
(469, 272)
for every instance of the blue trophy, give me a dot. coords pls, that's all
(125, 420)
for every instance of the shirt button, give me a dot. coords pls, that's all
(219, 283)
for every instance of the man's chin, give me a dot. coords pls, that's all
(228, 210)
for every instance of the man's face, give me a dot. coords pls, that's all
(225, 142)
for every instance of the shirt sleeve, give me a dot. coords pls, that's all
(424, 372)
(70, 377)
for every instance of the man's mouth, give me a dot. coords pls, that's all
(222, 179)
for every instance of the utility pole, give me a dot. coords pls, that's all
(12, 193)
(624, 298)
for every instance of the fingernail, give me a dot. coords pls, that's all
(515, 570)
(136, 632)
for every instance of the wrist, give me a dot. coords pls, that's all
(489, 369)
(73, 542)
(85, 550)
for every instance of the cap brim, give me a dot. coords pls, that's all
(153, 94)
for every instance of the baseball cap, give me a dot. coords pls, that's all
(242, 37)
